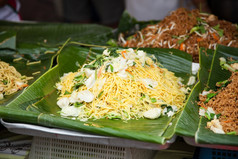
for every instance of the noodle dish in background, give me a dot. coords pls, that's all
(184, 30)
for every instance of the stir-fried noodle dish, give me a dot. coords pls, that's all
(221, 106)
(120, 84)
(185, 30)
(11, 80)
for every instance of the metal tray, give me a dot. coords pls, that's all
(41, 131)
(191, 141)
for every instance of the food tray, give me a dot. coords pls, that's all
(191, 141)
(54, 133)
(50, 148)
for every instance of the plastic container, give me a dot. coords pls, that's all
(49, 148)
(209, 153)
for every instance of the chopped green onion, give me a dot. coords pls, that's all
(5, 82)
(90, 66)
(66, 92)
(134, 63)
(175, 37)
(208, 116)
(100, 94)
(142, 96)
(112, 43)
(163, 105)
(150, 86)
(219, 30)
(77, 104)
(231, 62)
(77, 85)
(209, 96)
(223, 83)
(111, 68)
(224, 65)
(169, 108)
(153, 100)
(78, 78)
(231, 133)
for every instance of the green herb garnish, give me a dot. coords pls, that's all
(209, 96)
(111, 68)
(153, 100)
(218, 29)
(231, 133)
(66, 92)
(5, 82)
(100, 94)
(77, 104)
(77, 85)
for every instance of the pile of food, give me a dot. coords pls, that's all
(11, 80)
(185, 30)
(120, 84)
(221, 106)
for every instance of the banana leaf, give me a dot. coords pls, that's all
(189, 118)
(51, 34)
(37, 105)
(130, 25)
(7, 40)
(204, 135)
(9, 52)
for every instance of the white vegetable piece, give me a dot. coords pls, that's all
(1, 96)
(202, 111)
(149, 83)
(86, 96)
(122, 74)
(89, 72)
(130, 62)
(106, 52)
(59, 86)
(152, 113)
(205, 93)
(90, 81)
(63, 102)
(141, 56)
(19, 84)
(118, 64)
(65, 74)
(174, 107)
(215, 126)
(191, 80)
(210, 110)
(70, 111)
(74, 97)
(170, 113)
